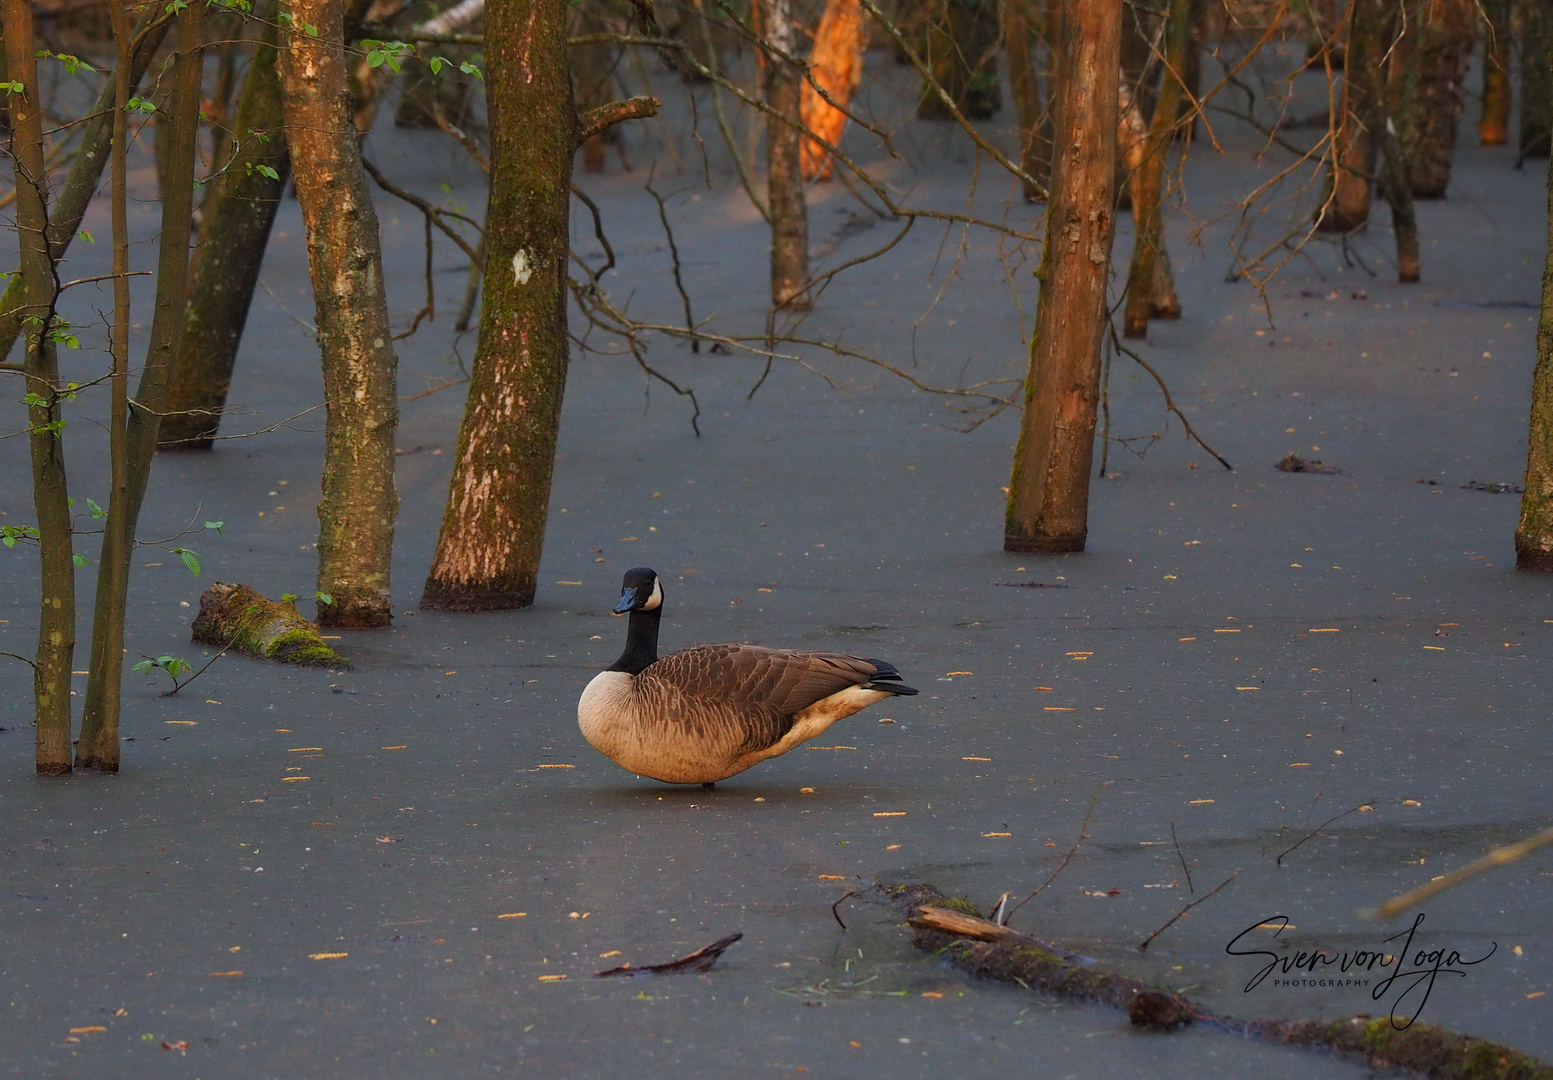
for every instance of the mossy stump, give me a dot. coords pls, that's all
(242, 620)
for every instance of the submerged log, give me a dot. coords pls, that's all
(955, 930)
(242, 620)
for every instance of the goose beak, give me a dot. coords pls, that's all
(627, 602)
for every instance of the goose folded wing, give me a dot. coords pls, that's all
(777, 679)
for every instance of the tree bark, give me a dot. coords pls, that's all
(962, 40)
(1534, 532)
(85, 172)
(35, 298)
(1346, 203)
(359, 500)
(241, 213)
(1432, 68)
(836, 63)
(98, 744)
(238, 618)
(1536, 79)
(1147, 295)
(1049, 493)
(493, 529)
(1494, 120)
(593, 71)
(784, 175)
(1017, 38)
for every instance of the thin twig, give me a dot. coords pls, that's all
(177, 686)
(1083, 834)
(1352, 809)
(679, 281)
(1143, 947)
(1180, 855)
(837, 904)
(19, 656)
(1169, 402)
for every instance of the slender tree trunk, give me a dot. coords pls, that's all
(240, 213)
(1428, 103)
(85, 172)
(836, 63)
(1145, 297)
(1536, 78)
(1048, 500)
(1051, 29)
(1349, 188)
(359, 500)
(98, 745)
(962, 52)
(493, 530)
(1534, 533)
(784, 176)
(1494, 120)
(35, 299)
(1132, 137)
(593, 70)
(1017, 38)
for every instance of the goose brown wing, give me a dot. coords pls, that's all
(774, 680)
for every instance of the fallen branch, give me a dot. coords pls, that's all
(1498, 857)
(238, 618)
(700, 960)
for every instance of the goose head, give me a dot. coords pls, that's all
(641, 591)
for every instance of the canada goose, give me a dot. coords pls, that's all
(699, 716)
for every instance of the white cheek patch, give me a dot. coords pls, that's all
(655, 599)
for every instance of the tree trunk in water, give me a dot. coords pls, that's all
(494, 527)
(593, 69)
(1536, 78)
(1048, 500)
(1132, 136)
(98, 744)
(1346, 205)
(1017, 39)
(836, 63)
(1395, 183)
(85, 172)
(1427, 106)
(962, 40)
(1494, 120)
(1534, 533)
(359, 500)
(784, 178)
(1145, 296)
(35, 298)
(240, 212)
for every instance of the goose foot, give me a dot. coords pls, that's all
(710, 785)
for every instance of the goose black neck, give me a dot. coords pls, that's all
(641, 642)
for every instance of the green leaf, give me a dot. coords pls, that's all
(97, 511)
(323, 598)
(469, 69)
(176, 667)
(140, 105)
(12, 87)
(144, 666)
(88, 237)
(190, 559)
(35, 399)
(216, 525)
(435, 63)
(81, 561)
(266, 170)
(288, 598)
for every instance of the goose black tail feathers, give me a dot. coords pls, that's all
(888, 679)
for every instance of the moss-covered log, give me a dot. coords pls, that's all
(1010, 956)
(242, 620)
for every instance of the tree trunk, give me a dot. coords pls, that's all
(238, 618)
(1428, 104)
(962, 53)
(35, 298)
(784, 176)
(1017, 38)
(493, 530)
(1534, 533)
(85, 172)
(1494, 120)
(593, 71)
(1536, 78)
(358, 503)
(1346, 202)
(836, 63)
(1145, 295)
(240, 212)
(1048, 498)
(98, 744)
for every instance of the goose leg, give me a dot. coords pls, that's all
(710, 785)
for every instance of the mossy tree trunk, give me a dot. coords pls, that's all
(1494, 120)
(1350, 186)
(1534, 533)
(1426, 107)
(359, 500)
(98, 744)
(85, 171)
(35, 298)
(493, 529)
(241, 212)
(1018, 37)
(1148, 293)
(1536, 102)
(1048, 502)
(784, 171)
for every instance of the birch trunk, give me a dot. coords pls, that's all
(1048, 499)
(784, 175)
(359, 500)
